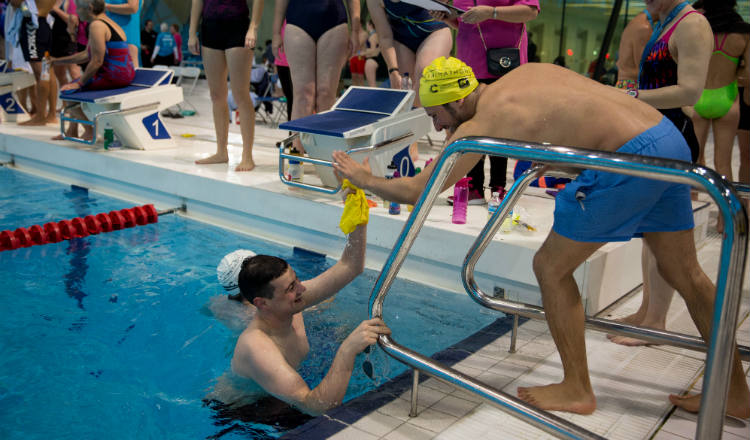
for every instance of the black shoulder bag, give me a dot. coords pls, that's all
(502, 60)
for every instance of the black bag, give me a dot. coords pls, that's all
(502, 60)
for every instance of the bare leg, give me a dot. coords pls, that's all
(725, 128)
(743, 140)
(701, 127)
(301, 54)
(239, 61)
(657, 296)
(215, 65)
(554, 264)
(332, 50)
(42, 90)
(371, 68)
(676, 256)
(438, 44)
(23, 99)
(52, 101)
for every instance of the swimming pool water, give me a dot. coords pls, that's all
(116, 334)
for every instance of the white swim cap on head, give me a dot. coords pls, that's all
(228, 270)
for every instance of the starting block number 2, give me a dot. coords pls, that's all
(155, 127)
(10, 105)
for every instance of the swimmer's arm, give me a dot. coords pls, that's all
(349, 266)
(404, 189)
(97, 49)
(77, 58)
(694, 43)
(131, 7)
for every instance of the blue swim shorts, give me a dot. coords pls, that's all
(603, 206)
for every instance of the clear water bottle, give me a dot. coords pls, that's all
(46, 62)
(460, 200)
(493, 204)
(393, 207)
(295, 167)
(406, 81)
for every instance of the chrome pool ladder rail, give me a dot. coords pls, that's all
(729, 282)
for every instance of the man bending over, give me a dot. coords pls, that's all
(546, 103)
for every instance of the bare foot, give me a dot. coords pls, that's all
(739, 408)
(245, 166)
(51, 119)
(33, 122)
(628, 341)
(559, 397)
(216, 158)
(59, 137)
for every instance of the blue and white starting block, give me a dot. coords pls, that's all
(10, 83)
(364, 122)
(132, 112)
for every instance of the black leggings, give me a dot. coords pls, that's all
(285, 76)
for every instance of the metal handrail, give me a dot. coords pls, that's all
(95, 122)
(728, 286)
(327, 163)
(535, 312)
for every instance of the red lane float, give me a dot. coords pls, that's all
(54, 232)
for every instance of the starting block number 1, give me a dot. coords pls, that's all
(10, 105)
(155, 127)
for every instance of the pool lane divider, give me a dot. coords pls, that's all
(55, 232)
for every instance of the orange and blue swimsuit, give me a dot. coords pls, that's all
(117, 69)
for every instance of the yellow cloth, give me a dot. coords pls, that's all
(446, 80)
(356, 210)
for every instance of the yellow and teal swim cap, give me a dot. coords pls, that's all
(446, 80)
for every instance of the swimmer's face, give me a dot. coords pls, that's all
(287, 291)
(442, 117)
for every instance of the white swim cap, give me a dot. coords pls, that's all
(228, 270)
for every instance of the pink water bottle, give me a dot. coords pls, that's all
(460, 200)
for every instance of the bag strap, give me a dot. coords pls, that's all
(481, 36)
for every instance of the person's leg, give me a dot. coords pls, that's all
(657, 296)
(678, 263)
(239, 60)
(61, 73)
(438, 44)
(743, 140)
(74, 71)
(286, 85)
(301, 54)
(72, 130)
(52, 98)
(477, 177)
(331, 56)
(554, 264)
(215, 66)
(498, 172)
(371, 68)
(42, 92)
(701, 127)
(725, 129)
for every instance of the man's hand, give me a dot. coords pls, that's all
(346, 167)
(365, 335)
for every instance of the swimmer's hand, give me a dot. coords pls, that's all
(194, 46)
(365, 335)
(346, 167)
(251, 37)
(277, 44)
(356, 210)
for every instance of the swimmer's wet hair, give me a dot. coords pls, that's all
(256, 275)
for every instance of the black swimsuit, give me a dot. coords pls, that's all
(315, 17)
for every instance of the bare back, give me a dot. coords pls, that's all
(721, 70)
(633, 40)
(545, 103)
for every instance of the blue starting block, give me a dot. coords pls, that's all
(132, 111)
(364, 122)
(10, 83)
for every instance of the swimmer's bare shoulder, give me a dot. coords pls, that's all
(252, 346)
